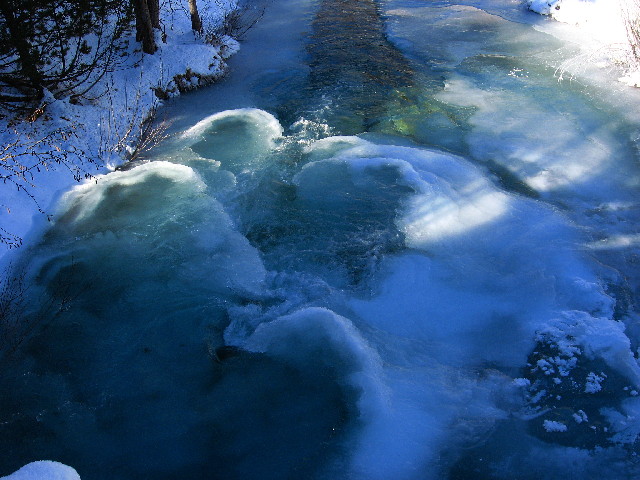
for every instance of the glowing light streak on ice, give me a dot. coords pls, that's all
(432, 220)
(615, 242)
(548, 149)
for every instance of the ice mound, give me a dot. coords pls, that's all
(404, 412)
(484, 273)
(265, 122)
(486, 278)
(452, 197)
(319, 338)
(238, 139)
(489, 269)
(125, 194)
(44, 470)
(160, 210)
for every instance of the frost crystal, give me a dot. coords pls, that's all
(580, 417)
(521, 382)
(551, 426)
(592, 384)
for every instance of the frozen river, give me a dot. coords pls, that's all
(391, 245)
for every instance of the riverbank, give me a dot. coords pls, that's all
(607, 31)
(73, 142)
(69, 141)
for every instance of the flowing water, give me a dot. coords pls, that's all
(390, 245)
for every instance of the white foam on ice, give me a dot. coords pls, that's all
(330, 146)
(599, 337)
(553, 426)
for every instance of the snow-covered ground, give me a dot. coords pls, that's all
(601, 27)
(95, 137)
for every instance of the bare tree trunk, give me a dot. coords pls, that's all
(196, 23)
(23, 48)
(154, 12)
(144, 27)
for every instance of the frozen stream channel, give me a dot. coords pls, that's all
(390, 245)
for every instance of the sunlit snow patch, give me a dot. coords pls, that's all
(603, 20)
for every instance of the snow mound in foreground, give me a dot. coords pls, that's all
(44, 469)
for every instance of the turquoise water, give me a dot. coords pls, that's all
(389, 245)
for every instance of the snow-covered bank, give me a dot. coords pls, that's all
(71, 141)
(603, 28)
